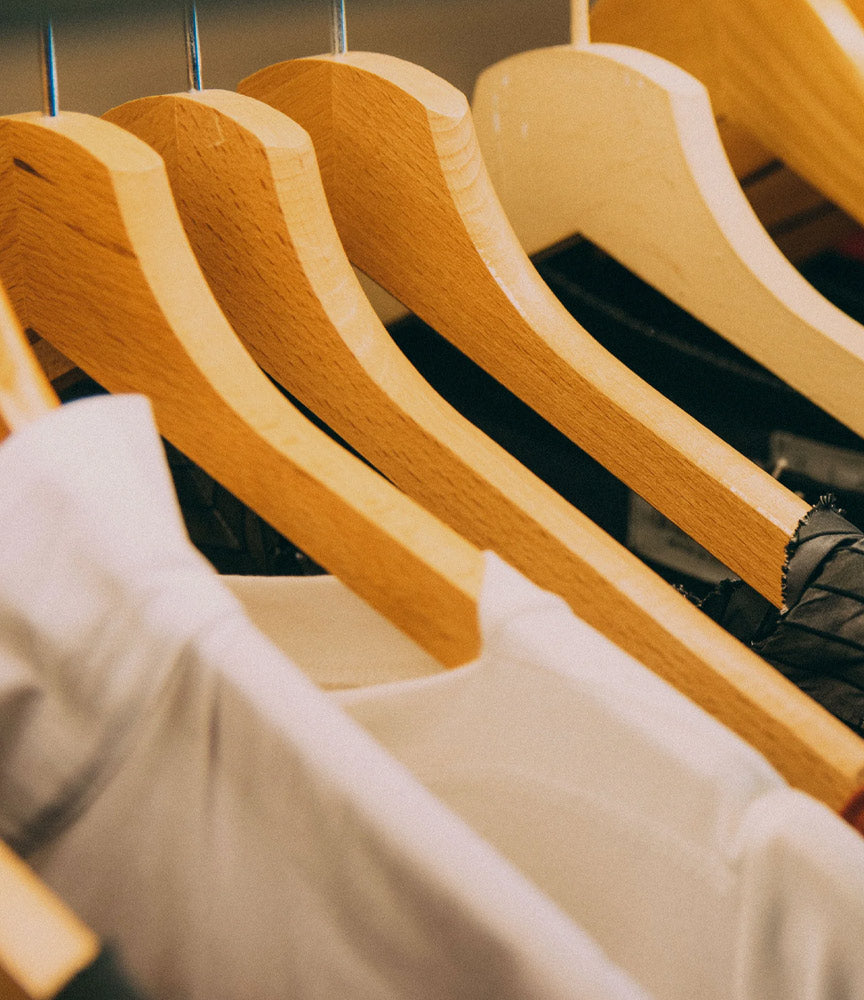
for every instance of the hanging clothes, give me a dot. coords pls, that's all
(193, 797)
(686, 856)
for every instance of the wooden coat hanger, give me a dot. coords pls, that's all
(25, 393)
(94, 257)
(792, 75)
(416, 211)
(247, 186)
(620, 146)
(43, 945)
(248, 189)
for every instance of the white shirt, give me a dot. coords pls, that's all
(673, 842)
(193, 797)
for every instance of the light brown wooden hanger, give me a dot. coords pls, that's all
(248, 189)
(617, 145)
(414, 208)
(25, 393)
(791, 75)
(43, 945)
(95, 260)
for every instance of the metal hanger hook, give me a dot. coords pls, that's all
(50, 99)
(193, 45)
(338, 34)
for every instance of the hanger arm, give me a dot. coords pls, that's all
(793, 77)
(630, 157)
(93, 253)
(416, 211)
(25, 393)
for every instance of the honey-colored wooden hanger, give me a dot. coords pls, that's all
(95, 260)
(25, 393)
(415, 209)
(43, 945)
(247, 186)
(792, 75)
(620, 146)
(249, 192)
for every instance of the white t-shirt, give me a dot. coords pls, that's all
(195, 798)
(673, 842)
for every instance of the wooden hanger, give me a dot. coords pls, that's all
(415, 209)
(247, 185)
(94, 257)
(248, 189)
(249, 193)
(620, 146)
(25, 393)
(792, 75)
(43, 945)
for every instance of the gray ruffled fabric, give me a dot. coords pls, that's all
(817, 640)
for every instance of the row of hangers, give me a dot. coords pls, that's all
(150, 264)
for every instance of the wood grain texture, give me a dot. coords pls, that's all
(415, 209)
(42, 943)
(620, 146)
(95, 260)
(249, 193)
(791, 74)
(25, 393)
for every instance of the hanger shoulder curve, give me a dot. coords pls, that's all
(96, 260)
(42, 943)
(792, 77)
(630, 157)
(25, 393)
(476, 286)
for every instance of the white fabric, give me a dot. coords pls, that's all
(670, 840)
(194, 797)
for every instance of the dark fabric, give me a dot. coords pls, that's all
(102, 980)
(817, 640)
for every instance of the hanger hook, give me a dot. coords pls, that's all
(193, 45)
(50, 101)
(579, 30)
(338, 35)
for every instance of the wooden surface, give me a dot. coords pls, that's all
(25, 393)
(248, 190)
(620, 146)
(415, 209)
(791, 75)
(94, 257)
(42, 943)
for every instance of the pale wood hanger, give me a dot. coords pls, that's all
(791, 75)
(416, 211)
(25, 393)
(398, 156)
(95, 260)
(43, 945)
(617, 145)
(249, 192)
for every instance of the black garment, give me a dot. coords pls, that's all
(103, 979)
(817, 640)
